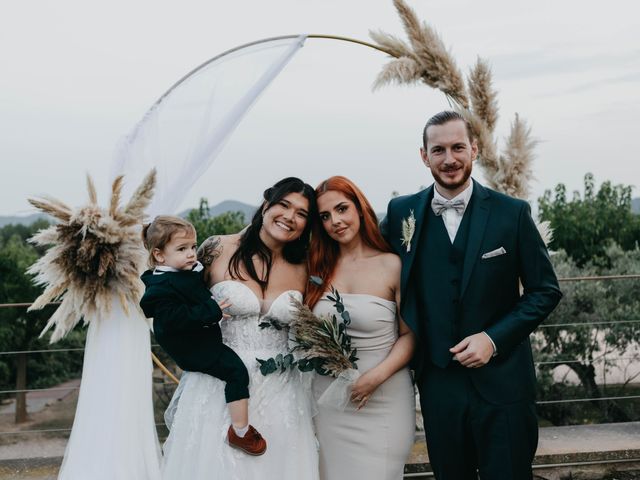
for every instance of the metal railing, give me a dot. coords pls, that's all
(592, 324)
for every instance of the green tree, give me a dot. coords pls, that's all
(585, 225)
(19, 330)
(207, 225)
(580, 335)
(24, 232)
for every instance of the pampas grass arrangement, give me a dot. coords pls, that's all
(426, 59)
(94, 254)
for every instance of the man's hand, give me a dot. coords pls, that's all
(473, 351)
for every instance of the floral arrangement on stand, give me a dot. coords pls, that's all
(94, 254)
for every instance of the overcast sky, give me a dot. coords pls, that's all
(78, 75)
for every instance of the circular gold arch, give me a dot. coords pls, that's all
(155, 359)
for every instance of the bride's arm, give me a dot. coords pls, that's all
(398, 357)
(209, 251)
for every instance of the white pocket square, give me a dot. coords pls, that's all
(494, 253)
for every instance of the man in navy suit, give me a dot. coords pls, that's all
(465, 251)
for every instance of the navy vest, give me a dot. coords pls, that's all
(437, 272)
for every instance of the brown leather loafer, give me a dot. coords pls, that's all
(252, 442)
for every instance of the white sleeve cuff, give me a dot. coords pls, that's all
(495, 349)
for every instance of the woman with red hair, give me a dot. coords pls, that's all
(372, 437)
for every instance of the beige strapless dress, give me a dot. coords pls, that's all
(372, 443)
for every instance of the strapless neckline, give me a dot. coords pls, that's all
(257, 299)
(361, 295)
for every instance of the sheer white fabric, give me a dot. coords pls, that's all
(280, 406)
(184, 132)
(114, 435)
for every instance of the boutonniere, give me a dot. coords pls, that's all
(408, 229)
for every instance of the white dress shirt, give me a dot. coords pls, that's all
(451, 217)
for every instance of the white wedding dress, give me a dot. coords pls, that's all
(280, 406)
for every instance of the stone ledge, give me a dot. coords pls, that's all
(605, 444)
(28, 468)
(591, 447)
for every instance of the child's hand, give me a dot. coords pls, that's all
(224, 304)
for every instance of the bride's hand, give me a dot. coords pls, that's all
(224, 304)
(364, 388)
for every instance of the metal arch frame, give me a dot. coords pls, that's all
(265, 40)
(155, 359)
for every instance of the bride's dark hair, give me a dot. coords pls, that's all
(251, 245)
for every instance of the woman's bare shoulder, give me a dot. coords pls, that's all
(390, 261)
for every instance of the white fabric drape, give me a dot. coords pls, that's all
(114, 436)
(182, 134)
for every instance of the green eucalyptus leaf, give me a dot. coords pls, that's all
(288, 361)
(304, 365)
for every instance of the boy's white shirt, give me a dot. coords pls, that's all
(160, 269)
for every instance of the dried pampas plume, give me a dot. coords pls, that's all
(392, 44)
(483, 96)
(545, 231)
(401, 70)
(517, 160)
(434, 64)
(94, 255)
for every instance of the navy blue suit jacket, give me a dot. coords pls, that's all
(490, 288)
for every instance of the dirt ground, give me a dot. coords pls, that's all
(58, 415)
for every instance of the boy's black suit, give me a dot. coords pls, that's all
(475, 417)
(185, 324)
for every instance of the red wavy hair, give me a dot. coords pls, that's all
(324, 251)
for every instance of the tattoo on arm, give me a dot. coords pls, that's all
(210, 249)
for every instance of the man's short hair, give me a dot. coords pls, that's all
(443, 117)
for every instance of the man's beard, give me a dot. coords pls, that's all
(447, 185)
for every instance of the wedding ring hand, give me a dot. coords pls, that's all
(361, 401)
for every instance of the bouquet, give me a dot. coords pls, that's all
(320, 344)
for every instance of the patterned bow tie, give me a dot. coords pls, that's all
(438, 205)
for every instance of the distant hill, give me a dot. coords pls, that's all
(222, 207)
(635, 205)
(228, 206)
(23, 220)
(233, 206)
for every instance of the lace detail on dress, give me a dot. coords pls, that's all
(280, 406)
(241, 332)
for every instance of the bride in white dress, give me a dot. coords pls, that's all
(257, 271)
